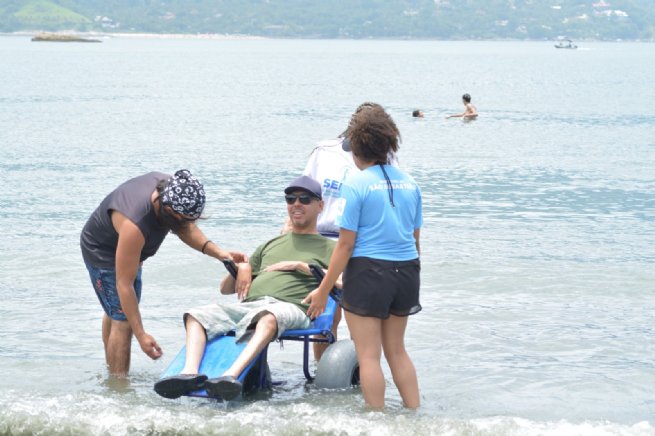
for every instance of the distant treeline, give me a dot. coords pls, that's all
(431, 19)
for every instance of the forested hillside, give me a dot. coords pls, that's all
(438, 19)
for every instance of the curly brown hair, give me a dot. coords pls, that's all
(373, 135)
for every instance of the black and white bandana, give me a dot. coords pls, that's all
(184, 194)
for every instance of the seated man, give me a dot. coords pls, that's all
(270, 289)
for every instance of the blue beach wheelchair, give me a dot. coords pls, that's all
(338, 367)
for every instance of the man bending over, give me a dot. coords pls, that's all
(270, 288)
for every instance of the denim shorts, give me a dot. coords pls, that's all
(104, 283)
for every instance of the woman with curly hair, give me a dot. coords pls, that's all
(378, 252)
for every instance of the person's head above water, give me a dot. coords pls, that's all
(417, 113)
(466, 98)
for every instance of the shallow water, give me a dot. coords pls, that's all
(538, 279)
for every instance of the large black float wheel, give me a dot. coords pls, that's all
(338, 367)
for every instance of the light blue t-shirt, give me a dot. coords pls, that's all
(383, 231)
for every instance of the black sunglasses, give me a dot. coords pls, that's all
(304, 198)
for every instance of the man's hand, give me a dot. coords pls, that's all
(289, 265)
(150, 346)
(317, 303)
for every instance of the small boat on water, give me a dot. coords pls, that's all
(565, 43)
(57, 37)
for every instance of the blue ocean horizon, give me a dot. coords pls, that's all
(537, 245)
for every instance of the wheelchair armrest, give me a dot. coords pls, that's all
(231, 267)
(318, 274)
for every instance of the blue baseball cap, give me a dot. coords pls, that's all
(305, 183)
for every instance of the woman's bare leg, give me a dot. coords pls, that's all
(366, 332)
(402, 368)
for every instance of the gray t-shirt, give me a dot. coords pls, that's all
(99, 238)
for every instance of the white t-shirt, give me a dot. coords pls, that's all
(329, 165)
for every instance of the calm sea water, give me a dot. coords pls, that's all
(538, 245)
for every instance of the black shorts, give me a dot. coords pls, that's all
(379, 288)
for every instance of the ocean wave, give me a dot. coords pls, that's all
(81, 413)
